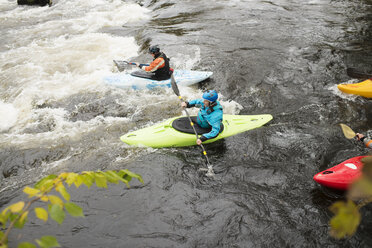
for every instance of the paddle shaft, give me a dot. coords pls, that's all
(196, 133)
(177, 92)
(129, 63)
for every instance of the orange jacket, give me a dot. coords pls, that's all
(367, 142)
(156, 64)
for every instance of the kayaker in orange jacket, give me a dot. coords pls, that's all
(159, 66)
(365, 140)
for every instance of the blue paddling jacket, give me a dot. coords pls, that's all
(208, 117)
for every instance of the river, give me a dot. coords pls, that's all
(279, 57)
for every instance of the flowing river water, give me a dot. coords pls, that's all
(279, 57)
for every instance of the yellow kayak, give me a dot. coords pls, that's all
(362, 89)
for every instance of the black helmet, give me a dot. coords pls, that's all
(154, 49)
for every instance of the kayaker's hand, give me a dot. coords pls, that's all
(137, 64)
(198, 142)
(183, 105)
(360, 136)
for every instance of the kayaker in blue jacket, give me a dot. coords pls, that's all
(210, 114)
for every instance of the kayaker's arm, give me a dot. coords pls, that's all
(153, 66)
(186, 105)
(213, 133)
(191, 103)
(138, 64)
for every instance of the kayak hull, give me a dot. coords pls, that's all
(341, 176)
(182, 77)
(164, 135)
(362, 89)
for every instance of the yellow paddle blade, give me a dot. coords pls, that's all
(348, 132)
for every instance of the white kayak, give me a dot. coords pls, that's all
(182, 77)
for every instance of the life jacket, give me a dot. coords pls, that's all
(164, 72)
(208, 117)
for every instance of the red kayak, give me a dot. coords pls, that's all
(342, 175)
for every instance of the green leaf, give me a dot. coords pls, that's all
(57, 213)
(78, 181)
(21, 221)
(1, 235)
(101, 180)
(123, 174)
(26, 245)
(367, 167)
(346, 219)
(31, 192)
(118, 176)
(41, 213)
(45, 182)
(74, 210)
(17, 207)
(62, 190)
(87, 180)
(5, 241)
(4, 218)
(360, 189)
(71, 177)
(55, 200)
(111, 177)
(47, 242)
(131, 174)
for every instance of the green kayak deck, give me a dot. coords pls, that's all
(164, 135)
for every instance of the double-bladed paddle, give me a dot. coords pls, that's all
(121, 63)
(177, 92)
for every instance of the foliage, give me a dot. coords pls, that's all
(347, 217)
(15, 215)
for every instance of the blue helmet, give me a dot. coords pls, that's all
(154, 49)
(210, 95)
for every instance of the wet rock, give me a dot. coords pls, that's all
(34, 2)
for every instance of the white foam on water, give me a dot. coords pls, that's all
(62, 129)
(9, 115)
(60, 51)
(229, 106)
(188, 60)
(56, 52)
(70, 17)
(337, 92)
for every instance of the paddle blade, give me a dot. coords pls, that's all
(174, 86)
(120, 64)
(348, 132)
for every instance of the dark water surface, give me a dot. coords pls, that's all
(279, 57)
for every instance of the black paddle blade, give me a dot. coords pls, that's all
(354, 73)
(174, 86)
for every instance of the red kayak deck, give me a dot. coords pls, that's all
(342, 175)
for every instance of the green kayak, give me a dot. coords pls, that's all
(165, 134)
